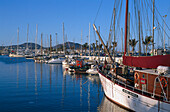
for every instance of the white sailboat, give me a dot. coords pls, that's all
(54, 60)
(92, 70)
(18, 53)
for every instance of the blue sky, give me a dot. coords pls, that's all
(50, 15)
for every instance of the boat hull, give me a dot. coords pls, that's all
(91, 71)
(15, 55)
(130, 99)
(55, 61)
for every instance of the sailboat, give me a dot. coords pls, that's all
(140, 89)
(18, 53)
(28, 53)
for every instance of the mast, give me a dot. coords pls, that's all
(153, 27)
(50, 44)
(41, 44)
(36, 39)
(65, 45)
(63, 40)
(17, 39)
(11, 45)
(164, 32)
(56, 42)
(98, 48)
(47, 45)
(114, 39)
(128, 37)
(27, 34)
(103, 43)
(139, 33)
(126, 17)
(122, 39)
(89, 41)
(81, 44)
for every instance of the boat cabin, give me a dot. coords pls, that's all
(79, 63)
(153, 82)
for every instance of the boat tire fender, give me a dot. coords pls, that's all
(163, 82)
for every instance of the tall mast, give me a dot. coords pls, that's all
(27, 34)
(128, 37)
(126, 19)
(114, 39)
(89, 41)
(81, 44)
(164, 32)
(50, 44)
(47, 44)
(139, 33)
(122, 39)
(41, 44)
(63, 40)
(153, 26)
(36, 39)
(65, 45)
(56, 42)
(98, 48)
(17, 39)
(103, 43)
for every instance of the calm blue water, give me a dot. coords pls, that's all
(27, 86)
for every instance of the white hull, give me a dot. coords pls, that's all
(131, 100)
(64, 63)
(55, 61)
(92, 71)
(15, 55)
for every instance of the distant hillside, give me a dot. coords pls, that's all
(22, 46)
(32, 46)
(68, 45)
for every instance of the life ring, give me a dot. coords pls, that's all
(136, 76)
(163, 82)
(136, 80)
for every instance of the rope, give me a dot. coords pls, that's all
(98, 10)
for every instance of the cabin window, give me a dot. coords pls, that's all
(143, 76)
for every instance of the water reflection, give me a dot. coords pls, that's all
(35, 79)
(41, 70)
(26, 75)
(108, 106)
(33, 86)
(17, 75)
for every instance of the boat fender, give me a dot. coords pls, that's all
(136, 85)
(136, 76)
(136, 80)
(163, 82)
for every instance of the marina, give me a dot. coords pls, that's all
(69, 63)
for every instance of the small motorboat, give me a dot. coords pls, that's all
(55, 60)
(92, 70)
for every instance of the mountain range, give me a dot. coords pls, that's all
(32, 46)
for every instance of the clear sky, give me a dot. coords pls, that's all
(50, 15)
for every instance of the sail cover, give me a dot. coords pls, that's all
(147, 61)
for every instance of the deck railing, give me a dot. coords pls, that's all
(133, 89)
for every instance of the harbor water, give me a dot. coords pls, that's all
(38, 87)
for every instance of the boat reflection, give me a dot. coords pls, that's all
(108, 106)
(38, 80)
